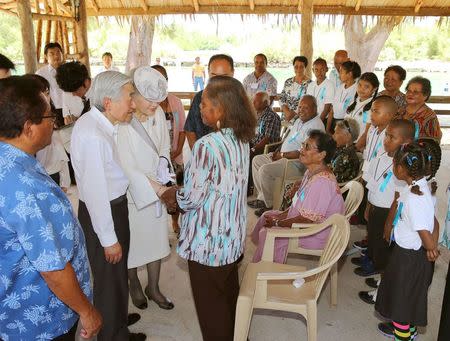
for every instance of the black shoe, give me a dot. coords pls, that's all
(386, 328)
(133, 318)
(356, 261)
(167, 304)
(372, 282)
(137, 337)
(361, 244)
(366, 297)
(259, 212)
(256, 203)
(140, 304)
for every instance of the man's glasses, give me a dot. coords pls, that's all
(52, 117)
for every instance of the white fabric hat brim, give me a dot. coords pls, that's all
(150, 83)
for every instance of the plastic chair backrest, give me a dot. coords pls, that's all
(354, 197)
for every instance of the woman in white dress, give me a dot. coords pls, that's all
(144, 151)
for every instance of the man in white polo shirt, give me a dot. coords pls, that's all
(267, 167)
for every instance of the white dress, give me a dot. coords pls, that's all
(149, 239)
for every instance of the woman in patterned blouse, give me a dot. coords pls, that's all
(294, 88)
(393, 80)
(213, 200)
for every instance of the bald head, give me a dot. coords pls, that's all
(340, 57)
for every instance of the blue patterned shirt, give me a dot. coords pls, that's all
(214, 198)
(38, 233)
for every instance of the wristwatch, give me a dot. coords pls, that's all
(282, 154)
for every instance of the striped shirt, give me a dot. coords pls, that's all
(214, 200)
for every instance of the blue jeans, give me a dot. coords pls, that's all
(198, 81)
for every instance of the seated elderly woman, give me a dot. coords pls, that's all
(317, 198)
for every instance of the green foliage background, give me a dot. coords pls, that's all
(279, 41)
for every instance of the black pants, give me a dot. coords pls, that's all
(69, 336)
(444, 327)
(110, 280)
(215, 291)
(378, 249)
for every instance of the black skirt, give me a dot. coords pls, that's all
(403, 292)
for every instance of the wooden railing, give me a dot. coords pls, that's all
(433, 100)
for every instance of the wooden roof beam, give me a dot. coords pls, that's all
(300, 5)
(144, 5)
(251, 3)
(195, 4)
(94, 5)
(419, 4)
(261, 10)
(358, 5)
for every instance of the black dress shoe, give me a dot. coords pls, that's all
(256, 203)
(137, 337)
(133, 318)
(366, 297)
(259, 212)
(372, 282)
(140, 304)
(167, 304)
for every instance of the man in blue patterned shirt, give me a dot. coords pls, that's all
(44, 275)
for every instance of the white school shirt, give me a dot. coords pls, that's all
(54, 159)
(374, 147)
(343, 97)
(416, 214)
(71, 105)
(266, 82)
(381, 182)
(323, 93)
(99, 176)
(49, 73)
(334, 77)
(112, 68)
(299, 133)
(360, 115)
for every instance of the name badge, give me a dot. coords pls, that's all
(254, 86)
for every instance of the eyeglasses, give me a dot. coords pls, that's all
(52, 117)
(414, 93)
(307, 146)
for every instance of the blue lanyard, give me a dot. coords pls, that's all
(302, 196)
(346, 103)
(396, 219)
(294, 137)
(365, 116)
(322, 94)
(375, 151)
(386, 181)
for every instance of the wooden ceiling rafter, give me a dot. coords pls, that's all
(196, 5)
(251, 3)
(358, 5)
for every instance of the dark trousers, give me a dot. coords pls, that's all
(55, 177)
(69, 336)
(110, 280)
(215, 291)
(378, 249)
(444, 327)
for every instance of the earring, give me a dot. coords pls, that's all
(218, 124)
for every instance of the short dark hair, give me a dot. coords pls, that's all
(221, 56)
(162, 70)
(320, 61)
(71, 76)
(301, 59)
(426, 85)
(407, 128)
(372, 79)
(325, 143)
(353, 67)
(388, 102)
(262, 55)
(401, 72)
(107, 54)
(413, 158)
(6, 63)
(239, 114)
(52, 46)
(21, 100)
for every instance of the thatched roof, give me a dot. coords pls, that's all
(157, 7)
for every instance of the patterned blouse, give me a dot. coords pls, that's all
(400, 99)
(428, 122)
(345, 164)
(214, 200)
(292, 92)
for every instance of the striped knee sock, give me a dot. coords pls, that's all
(401, 332)
(413, 331)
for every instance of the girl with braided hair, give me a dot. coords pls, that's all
(434, 154)
(403, 291)
(359, 110)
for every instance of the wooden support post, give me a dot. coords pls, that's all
(54, 29)
(306, 36)
(81, 34)
(38, 32)
(26, 27)
(65, 38)
(60, 36)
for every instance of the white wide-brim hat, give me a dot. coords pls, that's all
(150, 83)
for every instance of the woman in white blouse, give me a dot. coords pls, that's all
(144, 151)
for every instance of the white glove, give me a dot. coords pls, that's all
(163, 175)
